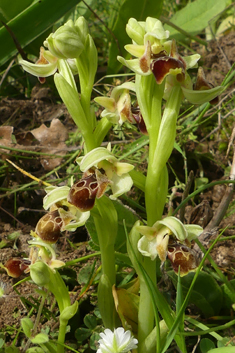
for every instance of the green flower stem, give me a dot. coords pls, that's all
(159, 152)
(149, 97)
(106, 227)
(146, 313)
(43, 275)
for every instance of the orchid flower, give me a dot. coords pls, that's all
(159, 56)
(56, 200)
(118, 105)
(108, 170)
(165, 237)
(149, 39)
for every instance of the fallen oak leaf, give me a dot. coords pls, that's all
(54, 136)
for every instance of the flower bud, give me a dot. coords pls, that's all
(65, 43)
(49, 226)
(40, 273)
(16, 266)
(82, 28)
(135, 31)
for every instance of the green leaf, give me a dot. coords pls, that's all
(36, 350)
(12, 350)
(27, 326)
(82, 333)
(30, 23)
(206, 344)
(40, 338)
(93, 340)
(68, 313)
(194, 17)
(86, 273)
(90, 321)
(229, 296)
(222, 350)
(15, 8)
(206, 294)
(124, 213)
(137, 9)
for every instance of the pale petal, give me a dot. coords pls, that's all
(120, 185)
(193, 230)
(175, 225)
(136, 50)
(94, 157)
(123, 168)
(55, 194)
(191, 61)
(148, 248)
(108, 103)
(133, 65)
(39, 70)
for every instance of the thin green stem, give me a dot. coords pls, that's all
(106, 227)
(146, 312)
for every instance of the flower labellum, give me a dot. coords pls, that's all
(182, 256)
(119, 341)
(83, 193)
(16, 266)
(49, 226)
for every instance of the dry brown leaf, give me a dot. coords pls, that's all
(6, 139)
(54, 136)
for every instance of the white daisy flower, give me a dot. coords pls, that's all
(119, 341)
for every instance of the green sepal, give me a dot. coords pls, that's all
(55, 194)
(200, 97)
(40, 338)
(66, 72)
(94, 157)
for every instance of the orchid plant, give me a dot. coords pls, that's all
(161, 80)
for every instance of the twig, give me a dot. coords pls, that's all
(109, 30)
(6, 72)
(15, 40)
(9, 214)
(219, 125)
(220, 211)
(185, 33)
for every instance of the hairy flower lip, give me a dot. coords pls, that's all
(166, 65)
(16, 266)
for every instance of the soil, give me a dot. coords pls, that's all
(26, 115)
